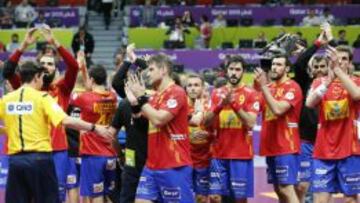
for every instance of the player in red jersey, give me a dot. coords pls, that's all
(167, 176)
(280, 142)
(59, 87)
(98, 157)
(337, 149)
(233, 112)
(200, 139)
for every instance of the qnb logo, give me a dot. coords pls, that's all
(171, 193)
(19, 108)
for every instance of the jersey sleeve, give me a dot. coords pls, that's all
(253, 103)
(174, 102)
(54, 112)
(76, 99)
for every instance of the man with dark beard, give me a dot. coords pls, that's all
(232, 114)
(59, 87)
(280, 142)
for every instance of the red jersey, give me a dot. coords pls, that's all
(280, 134)
(60, 90)
(96, 108)
(199, 147)
(169, 146)
(337, 134)
(232, 139)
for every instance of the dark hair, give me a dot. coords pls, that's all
(326, 9)
(287, 61)
(347, 49)
(318, 58)
(236, 59)
(205, 18)
(98, 73)
(28, 70)
(341, 31)
(14, 35)
(162, 60)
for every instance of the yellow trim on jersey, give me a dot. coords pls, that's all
(228, 119)
(27, 114)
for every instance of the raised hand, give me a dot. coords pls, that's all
(105, 132)
(130, 96)
(136, 85)
(260, 77)
(29, 39)
(326, 28)
(48, 35)
(80, 58)
(131, 53)
(331, 53)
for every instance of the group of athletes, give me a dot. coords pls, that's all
(199, 143)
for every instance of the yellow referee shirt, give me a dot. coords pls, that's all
(27, 114)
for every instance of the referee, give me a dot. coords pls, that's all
(27, 114)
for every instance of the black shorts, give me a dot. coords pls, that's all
(32, 177)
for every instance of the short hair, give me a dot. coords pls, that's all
(318, 58)
(193, 75)
(235, 59)
(28, 70)
(287, 61)
(347, 49)
(162, 60)
(98, 73)
(341, 31)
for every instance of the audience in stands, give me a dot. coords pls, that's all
(311, 19)
(40, 20)
(342, 38)
(219, 21)
(205, 31)
(83, 41)
(2, 47)
(302, 40)
(148, 14)
(14, 43)
(176, 35)
(356, 43)
(327, 17)
(25, 14)
(260, 41)
(187, 19)
(106, 9)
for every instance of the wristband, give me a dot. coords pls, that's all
(93, 127)
(321, 90)
(136, 109)
(317, 43)
(142, 100)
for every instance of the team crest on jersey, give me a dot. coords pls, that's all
(256, 106)
(98, 187)
(111, 164)
(290, 95)
(19, 108)
(171, 103)
(71, 179)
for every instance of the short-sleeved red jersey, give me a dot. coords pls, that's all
(96, 108)
(280, 134)
(168, 145)
(337, 133)
(232, 139)
(200, 145)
